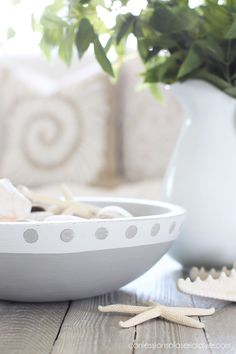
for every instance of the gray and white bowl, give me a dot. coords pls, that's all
(65, 260)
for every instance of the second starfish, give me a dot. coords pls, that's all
(144, 313)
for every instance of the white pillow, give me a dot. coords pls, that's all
(53, 128)
(149, 128)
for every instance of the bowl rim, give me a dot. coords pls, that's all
(171, 210)
(98, 234)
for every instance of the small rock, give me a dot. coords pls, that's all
(112, 212)
(37, 208)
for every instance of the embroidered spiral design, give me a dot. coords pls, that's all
(55, 136)
(52, 131)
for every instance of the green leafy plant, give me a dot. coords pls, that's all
(175, 42)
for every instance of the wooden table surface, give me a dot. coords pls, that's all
(77, 327)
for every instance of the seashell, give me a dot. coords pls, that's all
(219, 285)
(203, 274)
(40, 215)
(66, 192)
(112, 212)
(64, 218)
(7, 218)
(80, 210)
(27, 220)
(62, 206)
(13, 204)
(13, 219)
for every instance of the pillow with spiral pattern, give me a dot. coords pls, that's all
(55, 128)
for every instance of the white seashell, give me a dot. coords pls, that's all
(13, 204)
(221, 286)
(64, 218)
(111, 212)
(7, 218)
(80, 210)
(26, 220)
(203, 274)
(62, 206)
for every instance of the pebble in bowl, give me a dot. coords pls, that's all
(66, 257)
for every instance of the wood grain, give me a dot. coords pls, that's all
(85, 330)
(29, 328)
(220, 329)
(159, 284)
(58, 328)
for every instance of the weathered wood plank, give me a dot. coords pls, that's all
(33, 328)
(86, 331)
(29, 328)
(159, 284)
(220, 329)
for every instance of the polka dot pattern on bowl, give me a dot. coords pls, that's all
(172, 227)
(155, 229)
(67, 235)
(131, 231)
(101, 233)
(31, 236)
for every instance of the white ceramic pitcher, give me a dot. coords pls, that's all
(202, 176)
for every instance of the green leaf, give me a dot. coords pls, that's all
(166, 19)
(52, 36)
(231, 49)
(216, 18)
(50, 20)
(101, 57)
(164, 41)
(56, 6)
(175, 41)
(142, 49)
(66, 45)
(156, 92)
(36, 26)
(84, 36)
(165, 71)
(231, 34)
(109, 44)
(213, 78)
(211, 49)
(84, 2)
(191, 62)
(125, 26)
(10, 33)
(231, 91)
(138, 28)
(231, 4)
(153, 88)
(45, 47)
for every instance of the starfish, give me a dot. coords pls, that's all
(67, 205)
(144, 313)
